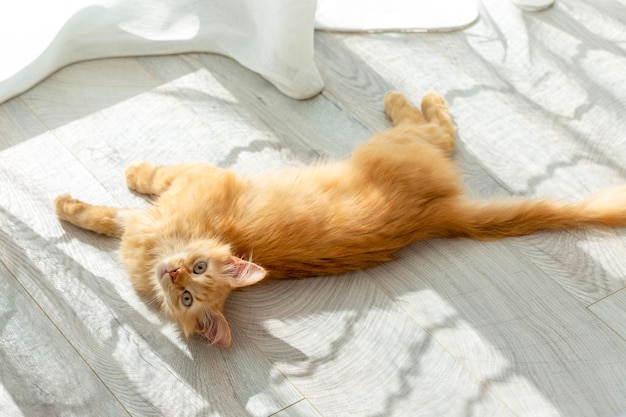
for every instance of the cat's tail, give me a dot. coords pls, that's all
(101, 219)
(487, 220)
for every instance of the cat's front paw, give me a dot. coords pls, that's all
(65, 206)
(139, 175)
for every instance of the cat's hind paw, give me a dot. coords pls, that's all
(433, 100)
(393, 102)
(400, 110)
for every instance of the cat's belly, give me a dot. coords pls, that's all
(321, 245)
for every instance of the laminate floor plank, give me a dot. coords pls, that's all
(299, 409)
(308, 130)
(349, 349)
(611, 310)
(533, 345)
(33, 354)
(17, 123)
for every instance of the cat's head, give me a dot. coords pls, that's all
(196, 282)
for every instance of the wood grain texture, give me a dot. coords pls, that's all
(310, 129)
(351, 351)
(529, 326)
(612, 311)
(300, 409)
(32, 352)
(510, 325)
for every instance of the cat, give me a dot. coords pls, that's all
(210, 231)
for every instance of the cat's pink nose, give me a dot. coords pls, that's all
(174, 274)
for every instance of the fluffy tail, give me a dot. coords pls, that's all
(484, 220)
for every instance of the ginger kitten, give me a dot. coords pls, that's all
(196, 242)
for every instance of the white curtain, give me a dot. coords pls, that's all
(271, 37)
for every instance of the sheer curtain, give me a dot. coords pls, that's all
(271, 37)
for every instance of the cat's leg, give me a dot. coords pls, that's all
(435, 110)
(400, 110)
(101, 219)
(141, 177)
(432, 125)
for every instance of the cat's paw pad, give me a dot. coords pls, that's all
(137, 175)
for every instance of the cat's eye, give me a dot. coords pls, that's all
(199, 268)
(187, 299)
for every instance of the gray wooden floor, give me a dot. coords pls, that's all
(532, 326)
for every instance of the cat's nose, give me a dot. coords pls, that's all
(174, 274)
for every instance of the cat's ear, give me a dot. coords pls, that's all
(242, 273)
(215, 329)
